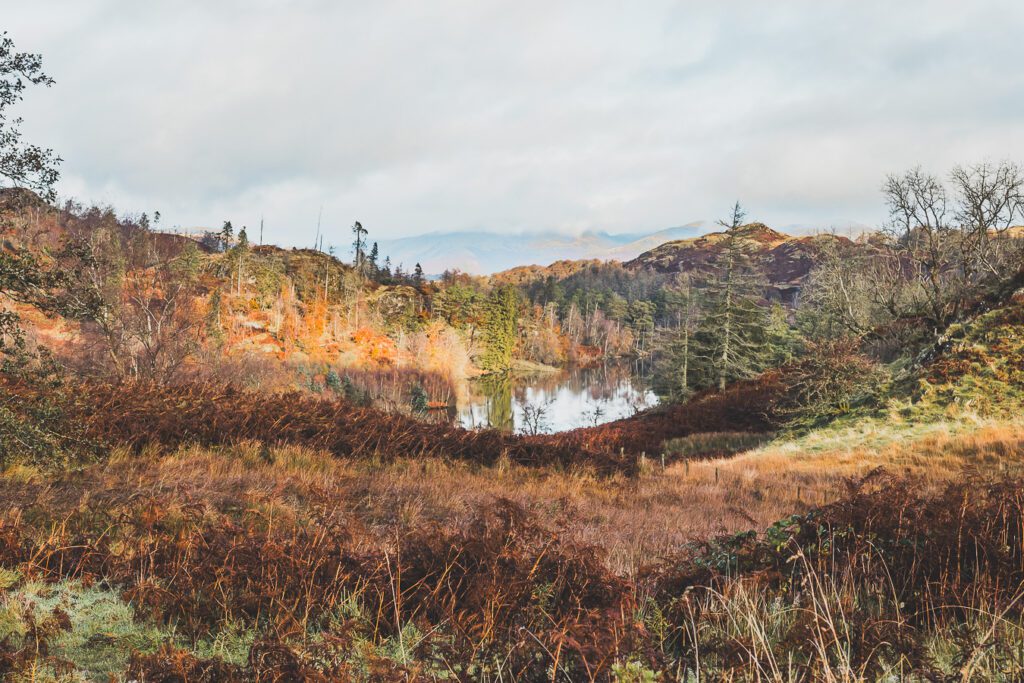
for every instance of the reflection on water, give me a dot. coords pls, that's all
(556, 402)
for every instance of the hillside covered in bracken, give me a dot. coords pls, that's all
(784, 261)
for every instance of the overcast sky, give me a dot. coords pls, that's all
(506, 116)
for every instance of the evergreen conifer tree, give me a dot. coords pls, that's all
(731, 340)
(226, 236)
(373, 270)
(501, 325)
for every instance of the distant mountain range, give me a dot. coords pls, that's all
(483, 253)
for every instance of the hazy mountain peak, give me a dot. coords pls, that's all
(485, 253)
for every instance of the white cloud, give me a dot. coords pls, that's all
(463, 114)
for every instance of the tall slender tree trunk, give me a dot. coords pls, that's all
(726, 329)
(686, 359)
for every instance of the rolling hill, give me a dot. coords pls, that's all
(785, 260)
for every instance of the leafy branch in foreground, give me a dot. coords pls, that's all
(29, 420)
(23, 164)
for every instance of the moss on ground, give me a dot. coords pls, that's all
(98, 630)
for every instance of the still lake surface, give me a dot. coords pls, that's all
(556, 401)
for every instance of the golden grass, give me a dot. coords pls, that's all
(634, 520)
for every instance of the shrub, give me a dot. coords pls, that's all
(830, 379)
(418, 399)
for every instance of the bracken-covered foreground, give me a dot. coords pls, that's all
(194, 532)
(204, 533)
(254, 563)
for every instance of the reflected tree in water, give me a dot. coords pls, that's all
(498, 389)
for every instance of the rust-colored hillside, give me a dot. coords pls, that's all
(785, 260)
(524, 275)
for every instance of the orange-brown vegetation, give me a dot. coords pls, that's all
(559, 270)
(520, 571)
(782, 259)
(144, 303)
(143, 414)
(206, 413)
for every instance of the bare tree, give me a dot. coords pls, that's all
(535, 418)
(359, 245)
(162, 318)
(840, 295)
(922, 248)
(990, 200)
(946, 246)
(138, 308)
